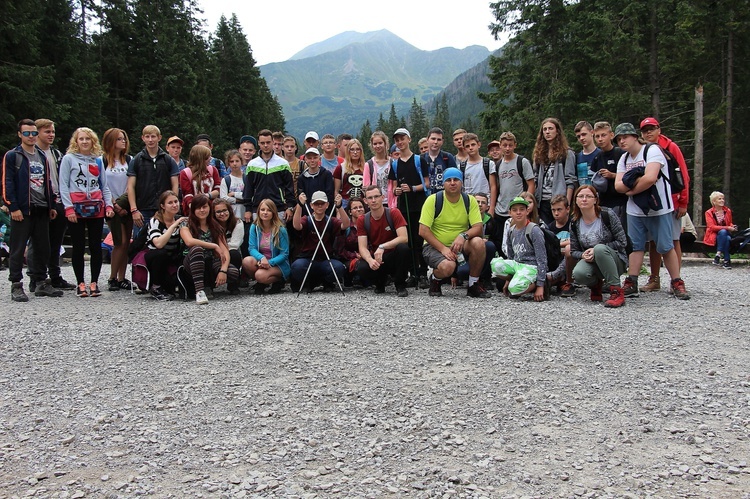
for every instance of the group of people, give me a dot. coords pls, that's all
(330, 217)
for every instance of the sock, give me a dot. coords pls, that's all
(634, 278)
(472, 280)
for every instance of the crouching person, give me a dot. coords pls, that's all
(383, 244)
(525, 269)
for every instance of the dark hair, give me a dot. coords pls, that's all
(575, 212)
(435, 129)
(265, 133)
(232, 220)
(545, 153)
(159, 215)
(217, 231)
(25, 122)
(355, 200)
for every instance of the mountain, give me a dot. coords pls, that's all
(360, 76)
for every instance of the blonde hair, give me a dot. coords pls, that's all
(347, 166)
(276, 223)
(714, 196)
(382, 135)
(151, 130)
(96, 149)
(534, 213)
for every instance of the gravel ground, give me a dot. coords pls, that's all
(250, 396)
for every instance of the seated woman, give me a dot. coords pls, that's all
(234, 232)
(268, 262)
(164, 250)
(207, 254)
(719, 229)
(347, 245)
(598, 240)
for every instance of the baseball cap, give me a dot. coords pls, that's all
(312, 150)
(649, 122)
(319, 196)
(203, 136)
(450, 173)
(402, 131)
(312, 135)
(518, 200)
(175, 138)
(625, 129)
(493, 143)
(249, 138)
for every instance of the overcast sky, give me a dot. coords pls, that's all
(276, 35)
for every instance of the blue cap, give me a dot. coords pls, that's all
(453, 173)
(249, 138)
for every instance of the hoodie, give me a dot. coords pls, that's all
(82, 179)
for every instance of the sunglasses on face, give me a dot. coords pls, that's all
(28, 133)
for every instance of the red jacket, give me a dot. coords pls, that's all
(713, 227)
(680, 199)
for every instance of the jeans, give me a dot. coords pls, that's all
(723, 238)
(35, 228)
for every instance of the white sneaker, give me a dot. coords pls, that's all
(200, 298)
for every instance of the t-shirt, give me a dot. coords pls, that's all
(436, 167)
(331, 164)
(510, 183)
(54, 176)
(452, 219)
(562, 233)
(156, 229)
(351, 184)
(475, 182)
(37, 194)
(237, 186)
(310, 238)
(380, 231)
(590, 234)
(655, 155)
(406, 173)
(117, 179)
(608, 160)
(583, 166)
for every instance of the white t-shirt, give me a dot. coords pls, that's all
(474, 180)
(662, 183)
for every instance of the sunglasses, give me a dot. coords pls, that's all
(28, 133)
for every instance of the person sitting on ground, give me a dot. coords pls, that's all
(453, 233)
(383, 244)
(164, 247)
(200, 177)
(330, 272)
(563, 274)
(268, 262)
(462, 273)
(598, 242)
(525, 269)
(531, 213)
(206, 254)
(719, 229)
(234, 232)
(347, 246)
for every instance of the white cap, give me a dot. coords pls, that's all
(312, 150)
(312, 135)
(402, 131)
(319, 196)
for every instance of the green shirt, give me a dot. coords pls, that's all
(452, 220)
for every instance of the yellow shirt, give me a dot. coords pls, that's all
(452, 219)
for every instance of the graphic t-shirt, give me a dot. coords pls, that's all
(36, 178)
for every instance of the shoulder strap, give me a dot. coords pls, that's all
(394, 167)
(367, 223)
(389, 219)
(228, 181)
(462, 166)
(486, 167)
(519, 166)
(438, 203)
(371, 164)
(466, 201)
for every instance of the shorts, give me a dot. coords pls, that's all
(523, 275)
(676, 229)
(659, 227)
(432, 257)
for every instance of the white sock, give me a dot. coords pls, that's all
(472, 280)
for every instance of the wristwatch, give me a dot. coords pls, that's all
(464, 235)
(381, 246)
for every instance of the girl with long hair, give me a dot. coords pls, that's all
(199, 177)
(207, 254)
(234, 232)
(87, 200)
(348, 178)
(555, 164)
(268, 262)
(164, 250)
(378, 167)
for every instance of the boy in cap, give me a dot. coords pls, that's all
(248, 147)
(174, 149)
(314, 178)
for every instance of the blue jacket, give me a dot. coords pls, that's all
(16, 186)
(279, 256)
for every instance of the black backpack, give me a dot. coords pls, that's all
(519, 167)
(439, 199)
(388, 218)
(673, 167)
(485, 166)
(551, 245)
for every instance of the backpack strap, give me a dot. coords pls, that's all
(486, 167)
(371, 165)
(367, 223)
(388, 219)
(462, 166)
(439, 199)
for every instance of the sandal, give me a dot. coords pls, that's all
(94, 290)
(81, 291)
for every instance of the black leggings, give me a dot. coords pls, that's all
(77, 233)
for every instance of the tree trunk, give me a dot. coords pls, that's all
(653, 67)
(728, 132)
(697, 177)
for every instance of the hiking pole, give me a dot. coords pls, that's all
(318, 246)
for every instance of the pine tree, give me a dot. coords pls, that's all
(365, 133)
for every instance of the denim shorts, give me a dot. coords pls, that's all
(659, 228)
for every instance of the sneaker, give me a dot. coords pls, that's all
(125, 284)
(158, 293)
(81, 291)
(259, 289)
(679, 289)
(424, 283)
(94, 290)
(476, 290)
(596, 292)
(276, 288)
(401, 292)
(717, 259)
(411, 282)
(32, 285)
(46, 289)
(113, 285)
(653, 284)
(200, 298)
(616, 297)
(60, 283)
(567, 290)
(17, 294)
(726, 265)
(379, 289)
(435, 287)
(630, 287)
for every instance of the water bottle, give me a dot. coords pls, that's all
(3, 229)
(460, 258)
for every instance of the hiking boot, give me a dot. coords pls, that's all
(60, 283)
(46, 289)
(201, 298)
(653, 284)
(113, 285)
(259, 288)
(17, 294)
(630, 287)
(476, 290)
(32, 285)
(596, 292)
(423, 282)
(616, 297)
(726, 265)
(411, 282)
(402, 292)
(678, 285)
(276, 287)
(435, 287)
(567, 290)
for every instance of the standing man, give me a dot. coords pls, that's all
(311, 140)
(437, 160)
(410, 181)
(248, 148)
(651, 133)
(204, 140)
(27, 192)
(59, 224)
(329, 160)
(174, 149)
(478, 172)
(584, 134)
(458, 142)
(649, 207)
(342, 141)
(383, 244)
(296, 166)
(513, 171)
(151, 172)
(268, 177)
(606, 164)
(453, 234)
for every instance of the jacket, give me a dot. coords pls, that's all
(16, 182)
(268, 180)
(82, 178)
(713, 227)
(565, 177)
(153, 176)
(279, 255)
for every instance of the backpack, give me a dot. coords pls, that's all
(607, 221)
(417, 165)
(439, 198)
(676, 181)
(519, 167)
(486, 168)
(388, 218)
(551, 245)
(140, 241)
